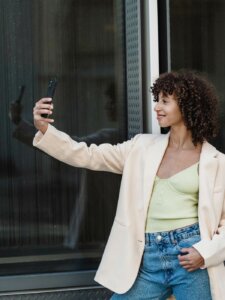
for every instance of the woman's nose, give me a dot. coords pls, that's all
(156, 108)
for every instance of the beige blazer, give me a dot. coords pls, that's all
(138, 160)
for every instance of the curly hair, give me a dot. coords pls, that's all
(196, 98)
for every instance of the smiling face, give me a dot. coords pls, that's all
(168, 111)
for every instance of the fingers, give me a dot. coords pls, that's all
(43, 106)
(44, 103)
(184, 251)
(190, 259)
(184, 259)
(189, 265)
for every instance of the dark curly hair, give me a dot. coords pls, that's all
(196, 98)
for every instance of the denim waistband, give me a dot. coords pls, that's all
(172, 236)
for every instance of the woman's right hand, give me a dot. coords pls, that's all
(43, 106)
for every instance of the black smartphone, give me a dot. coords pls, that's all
(52, 84)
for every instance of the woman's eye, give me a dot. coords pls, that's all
(164, 101)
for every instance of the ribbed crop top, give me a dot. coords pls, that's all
(174, 201)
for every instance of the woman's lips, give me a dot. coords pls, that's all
(159, 117)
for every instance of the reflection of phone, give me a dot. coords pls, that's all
(50, 92)
(22, 89)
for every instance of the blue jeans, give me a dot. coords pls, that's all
(160, 273)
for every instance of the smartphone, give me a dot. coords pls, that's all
(52, 84)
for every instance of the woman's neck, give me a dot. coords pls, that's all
(181, 139)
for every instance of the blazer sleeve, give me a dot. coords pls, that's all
(213, 249)
(105, 157)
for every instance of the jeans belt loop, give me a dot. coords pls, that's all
(172, 237)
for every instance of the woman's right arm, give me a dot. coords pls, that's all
(105, 157)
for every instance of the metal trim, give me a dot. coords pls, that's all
(22, 283)
(134, 67)
(152, 61)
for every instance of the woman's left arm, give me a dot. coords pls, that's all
(206, 253)
(213, 250)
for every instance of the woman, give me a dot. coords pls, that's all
(168, 236)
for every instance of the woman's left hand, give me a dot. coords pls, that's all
(191, 260)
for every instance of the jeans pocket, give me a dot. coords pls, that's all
(188, 242)
(150, 259)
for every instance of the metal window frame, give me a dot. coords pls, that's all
(164, 36)
(30, 282)
(134, 67)
(151, 68)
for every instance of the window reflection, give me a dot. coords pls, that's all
(53, 212)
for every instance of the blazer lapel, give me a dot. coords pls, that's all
(154, 155)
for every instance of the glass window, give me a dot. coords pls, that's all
(196, 42)
(54, 217)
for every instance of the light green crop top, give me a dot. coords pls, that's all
(174, 201)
